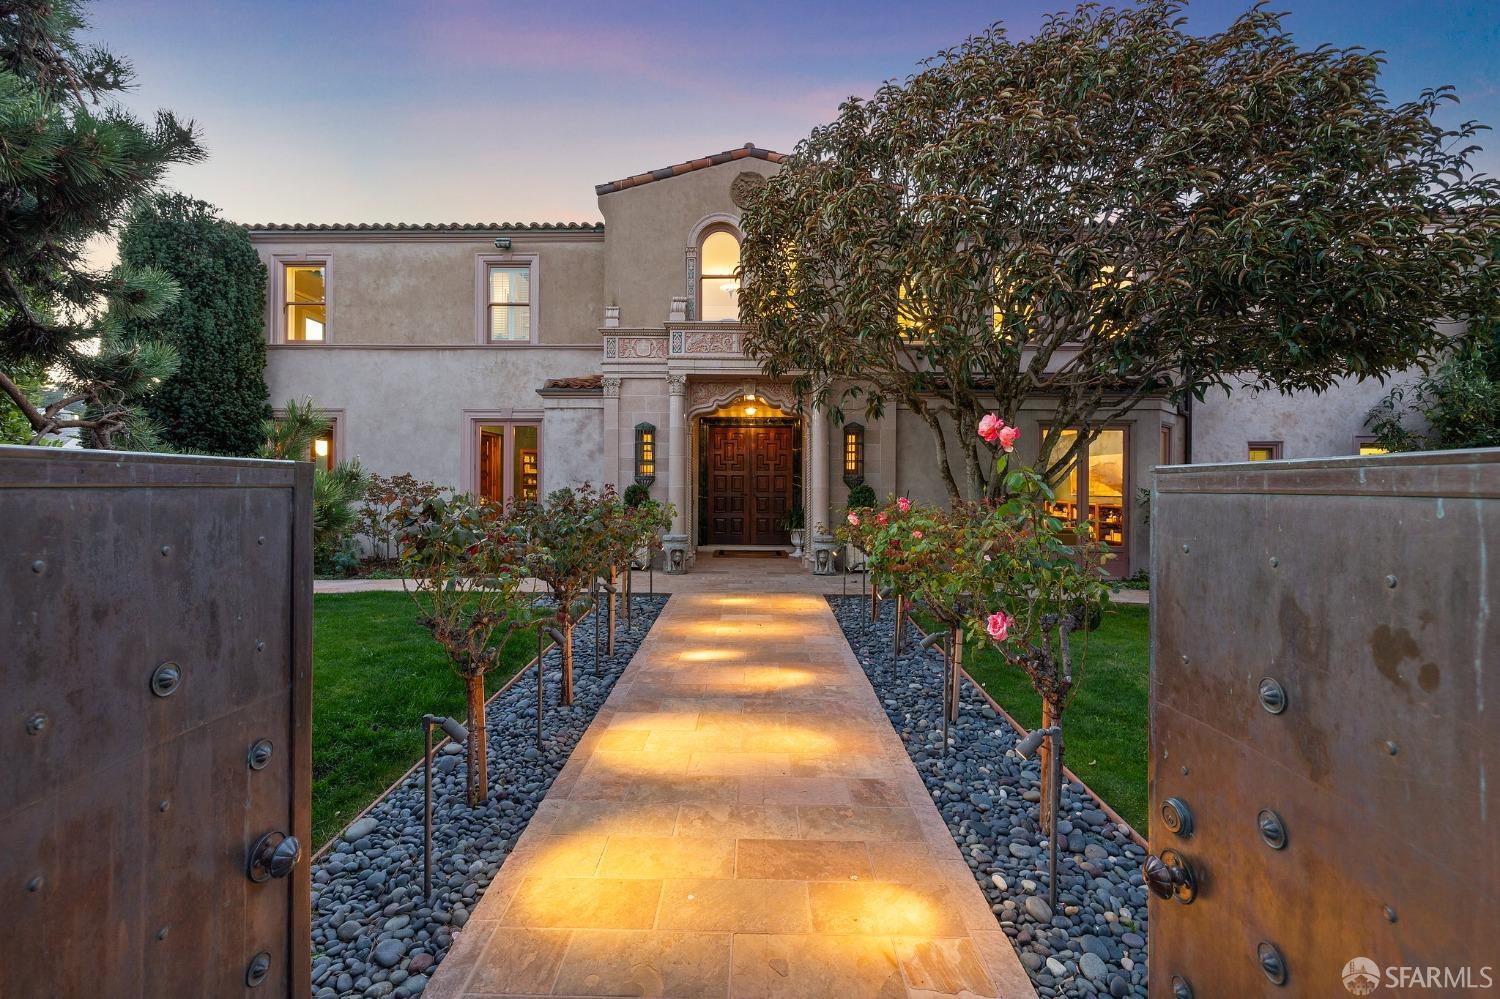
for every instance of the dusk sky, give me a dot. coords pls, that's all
(480, 112)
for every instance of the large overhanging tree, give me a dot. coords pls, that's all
(71, 161)
(1111, 210)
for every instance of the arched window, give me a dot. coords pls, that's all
(718, 285)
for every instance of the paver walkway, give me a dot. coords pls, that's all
(740, 820)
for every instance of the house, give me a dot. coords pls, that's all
(510, 359)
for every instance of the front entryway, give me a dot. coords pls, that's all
(749, 481)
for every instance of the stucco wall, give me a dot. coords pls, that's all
(648, 230)
(1308, 425)
(404, 409)
(390, 289)
(572, 452)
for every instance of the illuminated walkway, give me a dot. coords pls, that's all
(740, 820)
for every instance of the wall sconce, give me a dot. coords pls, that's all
(645, 454)
(854, 454)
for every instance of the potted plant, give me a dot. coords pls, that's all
(794, 525)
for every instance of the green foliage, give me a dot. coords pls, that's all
(375, 671)
(862, 496)
(636, 494)
(74, 159)
(380, 513)
(1110, 210)
(1458, 403)
(1108, 729)
(466, 562)
(290, 437)
(216, 401)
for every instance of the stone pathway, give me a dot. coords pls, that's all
(740, 820)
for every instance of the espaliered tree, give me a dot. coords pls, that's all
(1114, 209)
(217, 398)
(570, 537)
(463, 563)
(73, 160)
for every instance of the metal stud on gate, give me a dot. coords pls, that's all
(258, 969)
(1272, 695)
(1272, 964)
(166, 679)
(259, 755)
(1180, 988)
(1272, 829)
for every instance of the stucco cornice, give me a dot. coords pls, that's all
(749, 149)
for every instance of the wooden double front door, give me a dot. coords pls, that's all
(749, 483)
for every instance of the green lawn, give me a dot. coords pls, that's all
(1107, 720)
(375, 673)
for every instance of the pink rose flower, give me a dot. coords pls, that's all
(998, 625)
(1008, 437)
(917, 535)
(853, 520)
(903, 504)
(990, 427)
(881, 519)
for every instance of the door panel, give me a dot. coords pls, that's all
(749, 483)
(131, 807)
(1360, 588)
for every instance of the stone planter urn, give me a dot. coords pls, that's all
(796, 534)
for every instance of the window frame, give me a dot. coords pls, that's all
(278, 304)
(1118, 566)
(475, 423)
(1273, 446)
(482, 264)
(336, 423)
(733, 232)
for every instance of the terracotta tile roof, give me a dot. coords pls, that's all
(677, 169)
(422, 226)
(581, 383)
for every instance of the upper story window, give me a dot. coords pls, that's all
(509, 302)
(719, 285)
(305, 302)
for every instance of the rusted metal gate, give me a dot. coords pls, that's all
(154, 756)
(1325, 747)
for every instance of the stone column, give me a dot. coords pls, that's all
(612, 471)
(820, 529)
(675, 542)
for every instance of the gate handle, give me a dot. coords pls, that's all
(274, 855)
(1168, 876)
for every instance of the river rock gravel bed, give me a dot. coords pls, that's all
(1095, 945)
(373, 933)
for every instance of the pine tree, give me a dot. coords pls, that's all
(217, 399)
(73, 162)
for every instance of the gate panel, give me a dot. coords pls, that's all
(128, 802)
(1361, 588)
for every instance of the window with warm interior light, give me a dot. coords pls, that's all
(305, 302)
(509, 462)
(1101, 498)
(645, 453)
(718, 284)
(1367, 446)
(509, 303)
(1263, 450)
(854, 454)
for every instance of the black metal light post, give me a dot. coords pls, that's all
(1027, 748)
(609, 595)
(455, 731)
(898, 636)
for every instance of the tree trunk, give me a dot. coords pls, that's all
(942, 444)
(1048, 720)
(566, 698)
(478, 763)
(956, 637)
(614, 581)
